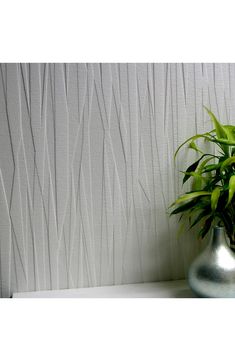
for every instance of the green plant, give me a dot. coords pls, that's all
(211, 198)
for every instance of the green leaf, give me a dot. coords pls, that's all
(190, 169)
(222, 141)
(230, 131)
(197, 181)
(202, 165)
(201, 215)
(202, 203)
(231, 189)
(227, 162)
(206, 227)
(211, 167)
(192, 145)
(192, 195)
(183, 207)
(220, 131)
(206, 136)
(198, 178)
(214, 198)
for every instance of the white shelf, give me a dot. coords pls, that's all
(169, 289)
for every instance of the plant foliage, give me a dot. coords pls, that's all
(211, 199)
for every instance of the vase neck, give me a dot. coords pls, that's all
(218, 237)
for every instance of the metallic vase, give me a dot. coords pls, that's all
(212, 274)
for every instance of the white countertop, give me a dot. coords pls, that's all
(169, 289)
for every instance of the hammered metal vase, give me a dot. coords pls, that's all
(212, 274)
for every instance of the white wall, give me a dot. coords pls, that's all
(87, 173)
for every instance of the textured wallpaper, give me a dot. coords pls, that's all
(87, 171)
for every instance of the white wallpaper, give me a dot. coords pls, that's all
(87, 171)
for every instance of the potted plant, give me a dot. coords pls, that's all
(211, 199)
(210, 203)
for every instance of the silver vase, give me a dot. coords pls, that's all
(212, 274)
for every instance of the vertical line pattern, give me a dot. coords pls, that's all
(87, 171)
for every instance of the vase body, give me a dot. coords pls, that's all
(212, 274)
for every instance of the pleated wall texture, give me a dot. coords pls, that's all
(87, 171)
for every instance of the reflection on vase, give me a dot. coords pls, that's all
(212, 274)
